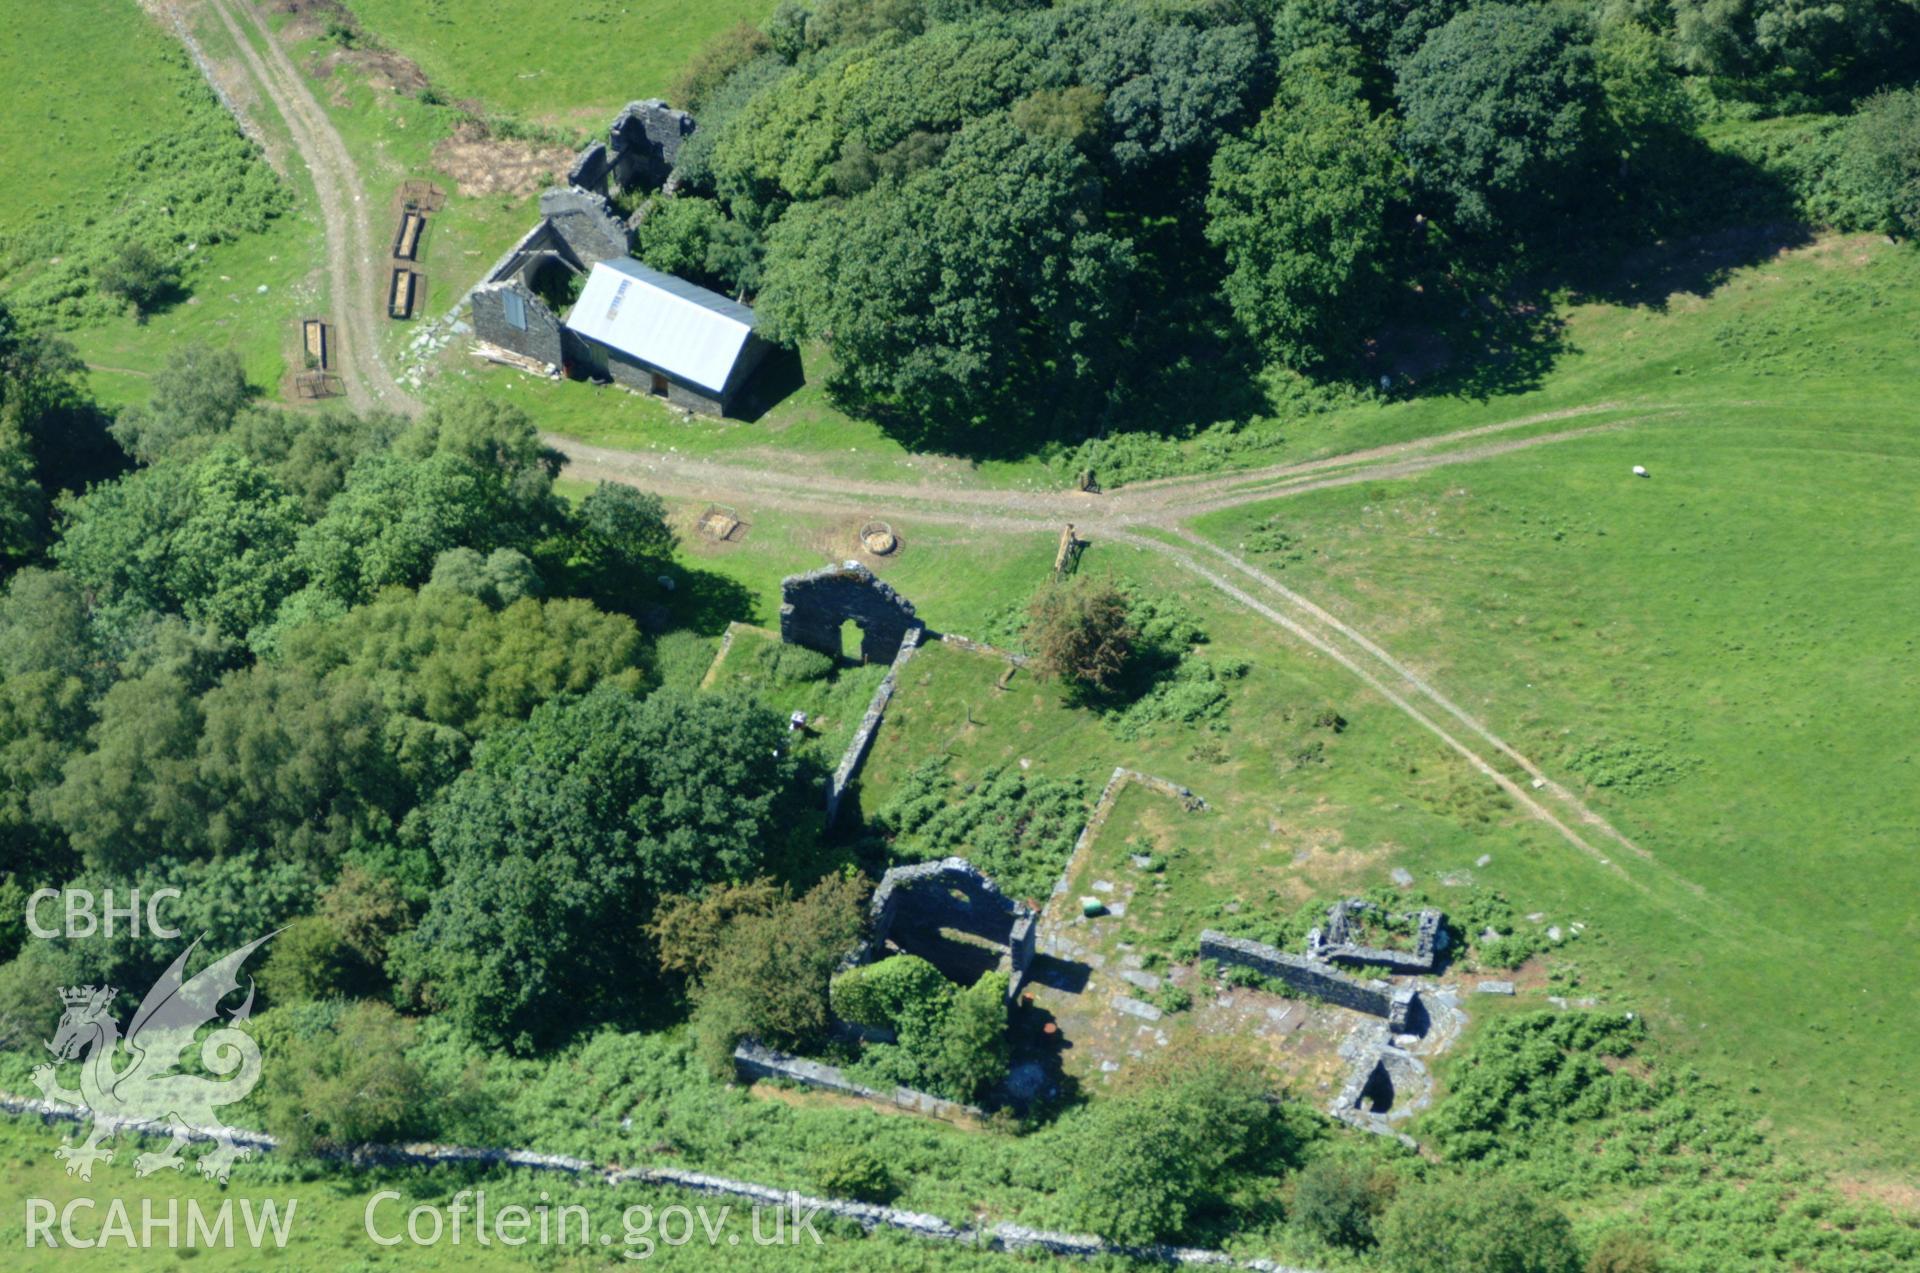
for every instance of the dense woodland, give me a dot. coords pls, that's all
(1012, 222)
(376, 681)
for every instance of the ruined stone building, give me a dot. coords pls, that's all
(641, 147)
(638, 327)
(517, 306)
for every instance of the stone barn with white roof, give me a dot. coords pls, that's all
(663, 335)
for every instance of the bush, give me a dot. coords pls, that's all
(350, 1084)
(1338, 1201)
(1475, 1225)
(951, 1041)
(1082, 633)
(137, 274)
(758, 960)
(1878, 173)
(904, 994)
(1624, 1251)
(1143, 1160)
(856, 1173)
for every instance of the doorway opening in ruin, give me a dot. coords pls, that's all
(850, 638)
(1377, 1096)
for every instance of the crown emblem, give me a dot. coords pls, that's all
(83, 996)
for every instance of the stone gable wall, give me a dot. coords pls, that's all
(543, 338)
(814, 605)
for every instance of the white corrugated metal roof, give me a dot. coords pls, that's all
(686, 331)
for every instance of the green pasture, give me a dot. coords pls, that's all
(79, 102)
(68, 92)
(1721, 653)
(571, 63)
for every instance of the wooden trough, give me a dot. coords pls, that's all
(319, 344)
(406, 240)
(402, 292)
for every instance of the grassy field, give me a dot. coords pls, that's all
(78, 104)
(834, 702)
(545, 60)
(226, 311)
(1722, 653)
(68, 96)
(396, 138)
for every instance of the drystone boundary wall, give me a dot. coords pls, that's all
(201, 63)
(1312, 977)
(856, 753)
(753, 1061)
(999, 1237)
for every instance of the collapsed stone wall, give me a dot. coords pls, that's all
(643, 144)
(1109, 796)
(815, 604)
(856, 753)
(1312, 977)
(1338, 940)
(586, 223)
(753, 1061)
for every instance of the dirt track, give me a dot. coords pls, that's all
(356, 289)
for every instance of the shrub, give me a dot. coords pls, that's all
(973, 1040)
(857, 1173)
(758, 960)
(346, 1085)
(1338, 1200)
(1624, 1251)
(1878, 173)
(904, 994)
(1475, 1225)
(1144, 1159)
(1082, 633)
(137, 274)
(950, 1040)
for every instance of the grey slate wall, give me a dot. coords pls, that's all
(644, 143)
(543, 337)
(753, 1061)
(1338, 939)
(953, 893)
(586, 223)
(1309, 975)
(856, 753)
(814, 605)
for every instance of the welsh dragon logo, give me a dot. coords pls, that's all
(143, 1082)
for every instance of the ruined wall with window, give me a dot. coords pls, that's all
(512, 317)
